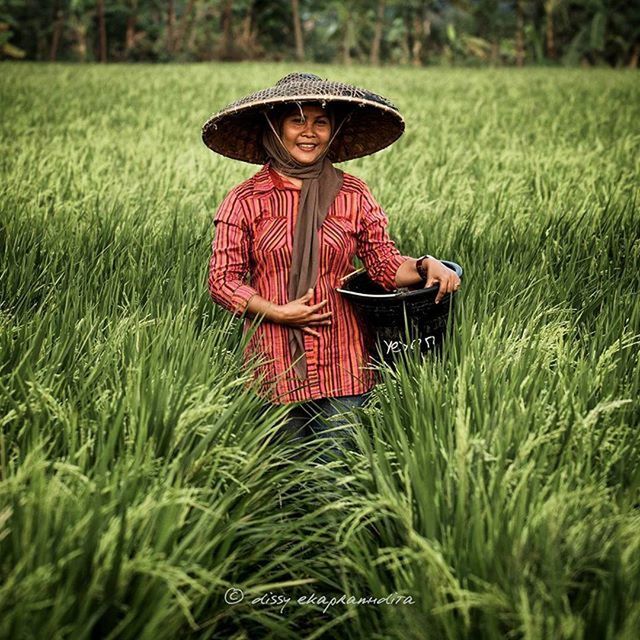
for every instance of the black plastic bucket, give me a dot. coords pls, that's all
(404, 320)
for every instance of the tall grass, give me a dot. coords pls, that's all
(498, 487)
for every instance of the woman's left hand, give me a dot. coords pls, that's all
(438, 273)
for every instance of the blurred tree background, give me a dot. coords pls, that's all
(376, 32)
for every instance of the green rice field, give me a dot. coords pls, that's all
(495, 493)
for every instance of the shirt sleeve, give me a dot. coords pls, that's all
(375, 248)
(229, 261)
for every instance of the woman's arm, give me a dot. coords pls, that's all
(384, 263)
(296, 313)
(407, 274)
(229, 265)
(230, 258)
(437, 272)
(378, 252)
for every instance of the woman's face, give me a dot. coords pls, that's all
(306, 139)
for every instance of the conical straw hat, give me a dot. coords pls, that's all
(372, 122)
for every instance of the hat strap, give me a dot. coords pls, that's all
(345, 119)
(275, 132)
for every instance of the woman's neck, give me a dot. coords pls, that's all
(296, 181)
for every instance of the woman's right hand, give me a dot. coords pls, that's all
(298, 313)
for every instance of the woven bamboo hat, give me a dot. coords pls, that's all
(371, 122)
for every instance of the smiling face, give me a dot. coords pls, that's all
(306, 139)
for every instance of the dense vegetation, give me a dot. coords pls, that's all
(140, 480)
(417, 32)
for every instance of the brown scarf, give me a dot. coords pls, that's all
(321, 182)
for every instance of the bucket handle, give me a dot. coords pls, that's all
(399, 290)
(351, 274)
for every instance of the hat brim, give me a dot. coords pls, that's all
(372, 124)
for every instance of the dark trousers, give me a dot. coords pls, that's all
(327, 419)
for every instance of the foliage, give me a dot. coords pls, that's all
(416, 32)
(6, 48)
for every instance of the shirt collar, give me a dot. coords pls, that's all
(263, 181)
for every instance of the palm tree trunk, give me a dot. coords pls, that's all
(248, 34)
(297, 29)
(130, 33)
(374, 54)
(418, 30)
(183, 25)
(171, 22)
(227, 30)
(57, 31)
(519, 33)
(102, 30)
(79, 29)
(551, 41)
(201, 9)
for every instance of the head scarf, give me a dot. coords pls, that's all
(321, 182)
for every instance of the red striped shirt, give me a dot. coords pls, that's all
(254, 234)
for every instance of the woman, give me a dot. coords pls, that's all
(296, 226)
